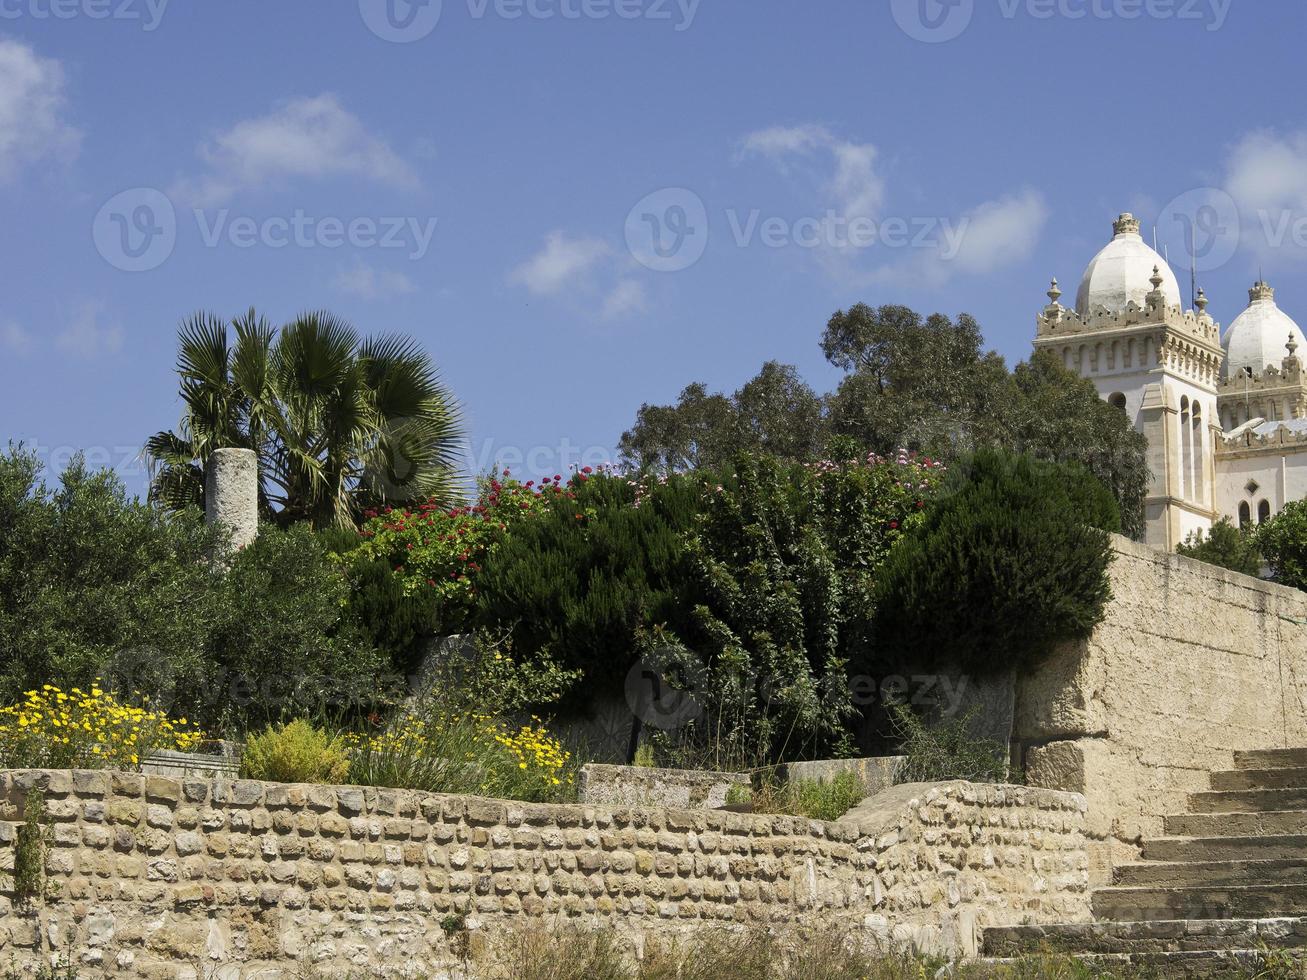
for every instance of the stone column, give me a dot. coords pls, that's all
(231, 494)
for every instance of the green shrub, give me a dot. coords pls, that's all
(828, 799)
(1227, 546)
(783, 561)
(93, 584)
(946, 750)
(1283, 541)
(1010, 560)
(296, 752)
(439, 747)
(88, 578)
(31, 844)
(279, 642)
(817, 799)
(599, 561)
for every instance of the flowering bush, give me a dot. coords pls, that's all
(440, 750)
(91, 729)
(439, 553)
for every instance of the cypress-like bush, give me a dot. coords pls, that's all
(597, 563)
(1011, 559)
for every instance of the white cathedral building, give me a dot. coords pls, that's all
(1225, 415)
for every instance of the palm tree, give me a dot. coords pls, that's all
(338, 423)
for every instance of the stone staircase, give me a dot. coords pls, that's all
(1228, 882)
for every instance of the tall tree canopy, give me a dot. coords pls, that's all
(913, 382)
(776, 412)
(339, 423)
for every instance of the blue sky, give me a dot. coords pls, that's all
(491, 180)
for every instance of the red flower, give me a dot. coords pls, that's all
(587, 470)
(893, 525)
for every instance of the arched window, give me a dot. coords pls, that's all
(1130, 352)
(1117, 400)
(1198, 448)
(1184, 450)
(1113, 353)
(1263, 512)
(1245, 514)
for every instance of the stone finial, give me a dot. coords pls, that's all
(1261, 290)
(231, 494)
(1202, 302)
(1127, 224)
(1054, 292)
(1157, 279)
(1292, 346)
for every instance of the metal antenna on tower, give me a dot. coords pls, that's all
(1193, 270)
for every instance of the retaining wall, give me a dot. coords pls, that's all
(1191, 664)
(159, 877)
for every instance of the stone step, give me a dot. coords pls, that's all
(1170, 936)
(1236, 824)
(1275, 847)
(1224, 963)
(1271, 759)
(1200, 902)
(1249, 801)
(1192, 874)
(1290, 777)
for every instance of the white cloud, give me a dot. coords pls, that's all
(14, 338)
(627, 297)
(32, 104)
(848, 179)
(302, 138)
(88, 336)
(1269, 171)
(987, 238)
(851, 193)
(371, 283)
(1000, 233)
(562, 263)
(779, 142)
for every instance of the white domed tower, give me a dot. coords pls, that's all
(1122, 273)
(1256, 339)
(1131, 336)
(1263, 404)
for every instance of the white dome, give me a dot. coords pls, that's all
(1120, 274)
(1260, 335)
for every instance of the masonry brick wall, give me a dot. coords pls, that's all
(162, 877)
(1191, 664)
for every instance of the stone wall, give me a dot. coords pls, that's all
(639, 786)
(157, 877)
(1192, 663)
